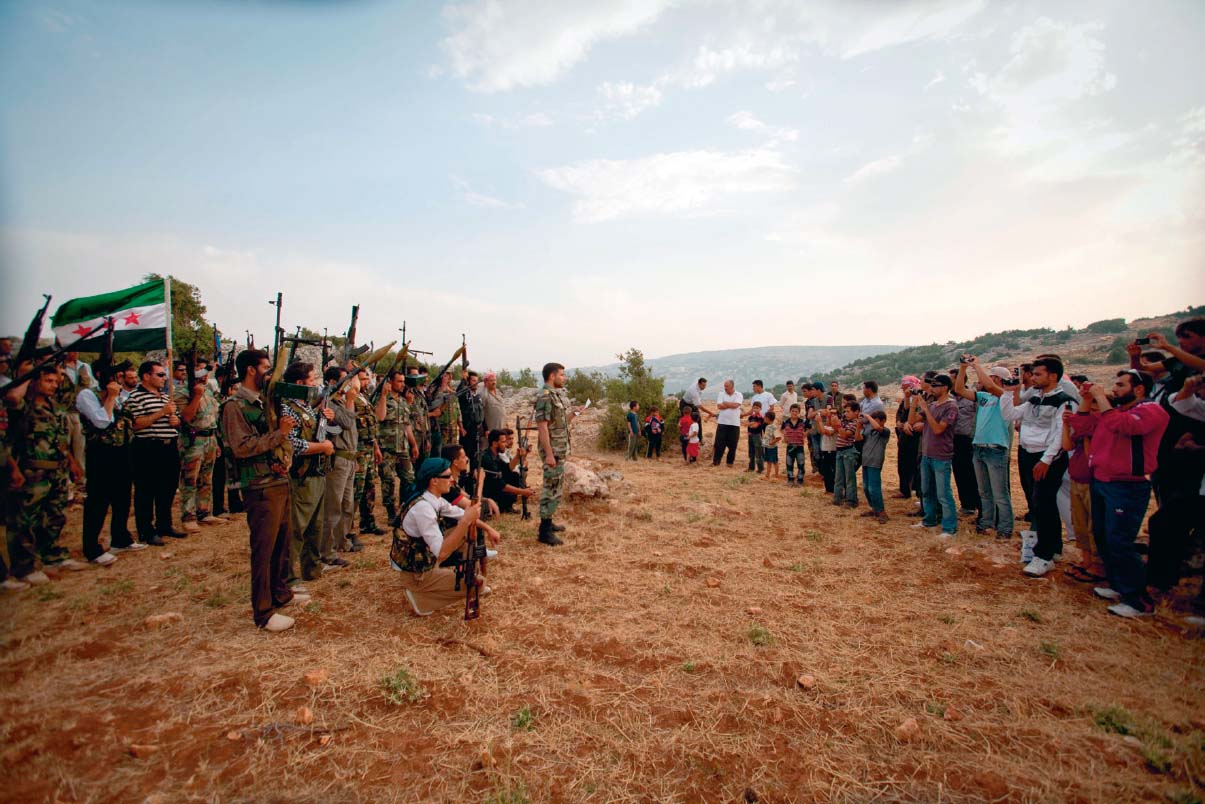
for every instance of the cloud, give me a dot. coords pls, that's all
(476, 199)
(627, 100)
(876, 168)
(900, 23)
(746, 121)
(710, 63)
(682, 183)
(496, 47)
(937, 79)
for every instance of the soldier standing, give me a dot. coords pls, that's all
(368, 455)
(198, 448)
(552, 420)
(307, 478)
(446, 426)
(396, 440)
(260, 468)
(419, 422)
(41, 445)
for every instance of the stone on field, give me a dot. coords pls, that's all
(908, 731)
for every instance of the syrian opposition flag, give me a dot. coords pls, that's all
(140, 319)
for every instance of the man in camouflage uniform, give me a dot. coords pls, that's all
(198, 448)
(368, 454)
(445, 416)
(552, 420)
(420, 421)
(41, 445)
(396, 440)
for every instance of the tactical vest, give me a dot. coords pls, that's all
(410, 553)
(391, 430)
(366, 424)
(258, 470)
(117, 434)
(420, 422)
(305, 465)
(40, 436)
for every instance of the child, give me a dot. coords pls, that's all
(654, 426)
(633, 430)
(692, 438)
(754, 427)
(684, 430)
(1078, 429)
(769, 445)
(824, 421)
(874, 449)
(795, 434)
(849, 432)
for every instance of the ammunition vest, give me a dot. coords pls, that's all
(366, 424)
(410, 553)
(258, 470)
(119, 432)
(305, 465)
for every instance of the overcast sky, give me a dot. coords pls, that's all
(563, 180)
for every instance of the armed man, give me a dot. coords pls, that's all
(472, 418)
(41, 445)
(503, 484)
(261, 458)
(198, 407)
(340, 480)
(552, 420)
(396, 440)
(108, 430)
(420, 422)
(368, 455)
(446, 427)
(307, 477)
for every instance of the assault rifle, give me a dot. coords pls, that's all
(400, 360)
(278, 333)
(29, 345)
(349, 346)
(473, 561)
(56, 355)
(294, 340)
(522, 462)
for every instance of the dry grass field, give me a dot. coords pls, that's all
(703, 636)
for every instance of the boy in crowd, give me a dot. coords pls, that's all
(795, 434)
(824, 421)
(654, 428)
(755, 423)
(633, 430)
(769, 441)
(874, 451)
(849, 432)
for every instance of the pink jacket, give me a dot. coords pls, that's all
(1126, 442)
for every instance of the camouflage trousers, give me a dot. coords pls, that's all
(550, 494)
(365, 490)
(35, 518)
(196, 477)
(395, 466)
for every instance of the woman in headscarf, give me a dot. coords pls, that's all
(907, 442)
(422, 542)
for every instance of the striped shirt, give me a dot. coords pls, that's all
(795, 433)
(847, 434)
(143, 403)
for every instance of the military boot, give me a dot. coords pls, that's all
(546, 535)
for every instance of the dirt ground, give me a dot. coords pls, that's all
(656, 657)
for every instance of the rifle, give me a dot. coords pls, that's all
(434, 384)
(29, 345)
(278, 333)
(106, 352)
(282, 456)
(56, 355)
(326, 349)
(474, 561)
(349, 346)
(400, 360)
(522, 462)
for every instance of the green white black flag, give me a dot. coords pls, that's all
(140, 318)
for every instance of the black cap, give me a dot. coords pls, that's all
(101, 369)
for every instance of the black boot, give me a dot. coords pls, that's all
(546, 535)
(555, 528)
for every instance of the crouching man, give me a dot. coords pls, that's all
(429, 530)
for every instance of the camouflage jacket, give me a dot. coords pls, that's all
(392, 429)
(366, 424)
(552, 406)
(39, 435)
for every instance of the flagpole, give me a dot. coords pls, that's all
(167, 298)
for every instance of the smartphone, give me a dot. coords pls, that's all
(1142, 341)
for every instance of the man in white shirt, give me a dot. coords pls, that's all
(760, 394)
(694, 396)
(788, 398)
(728, 422)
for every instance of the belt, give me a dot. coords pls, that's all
(164, 441)
(345, 455)
(204, 432)
(45, 464)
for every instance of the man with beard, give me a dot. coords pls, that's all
(261, 465)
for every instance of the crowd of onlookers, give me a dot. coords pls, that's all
(1089, 456)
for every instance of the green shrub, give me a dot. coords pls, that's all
(401, 687)
(1107, 325)
(582, 386)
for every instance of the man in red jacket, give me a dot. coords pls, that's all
(1125, 444)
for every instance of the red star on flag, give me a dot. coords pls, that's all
(131, 319)
(81, 331)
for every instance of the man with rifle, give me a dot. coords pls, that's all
(472, 417)
(307, 476)
(198, 407)
(368, 455)
(503, 484)
(396, 441)
(420, 422)
(261, 455)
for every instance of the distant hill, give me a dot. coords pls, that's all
(773, 364)
(1097, 349)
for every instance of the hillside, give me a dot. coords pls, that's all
(1096, 348)
(774, 364)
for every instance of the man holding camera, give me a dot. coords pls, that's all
(991, 444)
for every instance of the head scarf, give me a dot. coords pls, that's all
(910, 380)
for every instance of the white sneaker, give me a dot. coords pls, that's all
(920, 525)
(35, 578)
(1127, 611)
(485, 590)
(210, 520)
(72, 565)
(299, 589)
(137, 546)
(191, 527)
(414, 604)
(1057, 557)
(491, 554)
(104, 559)
(1194, 619)
(1105, 593)
(1038, 567)
(278, 622)
(299, 598)
(13, 585)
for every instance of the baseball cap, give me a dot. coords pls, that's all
(1000, 373)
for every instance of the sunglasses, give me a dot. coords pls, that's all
(160, 374)
(443, 477)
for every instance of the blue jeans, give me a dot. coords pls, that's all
(1117, 512)
(757, 458)
(845, 485)
(937, 495)
(991, 473)
(795, 458)
(872, 484)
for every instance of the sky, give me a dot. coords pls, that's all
(564, 180)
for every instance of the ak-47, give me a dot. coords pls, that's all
(473, 561)
(433, 386)
(400, 360)
(57, 355)
(29, 346)
(522, 462)
(278, 333)
(349, 346)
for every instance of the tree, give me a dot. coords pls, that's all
(527, 379)
(582, 386)
(190, 330)
(635, 383)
